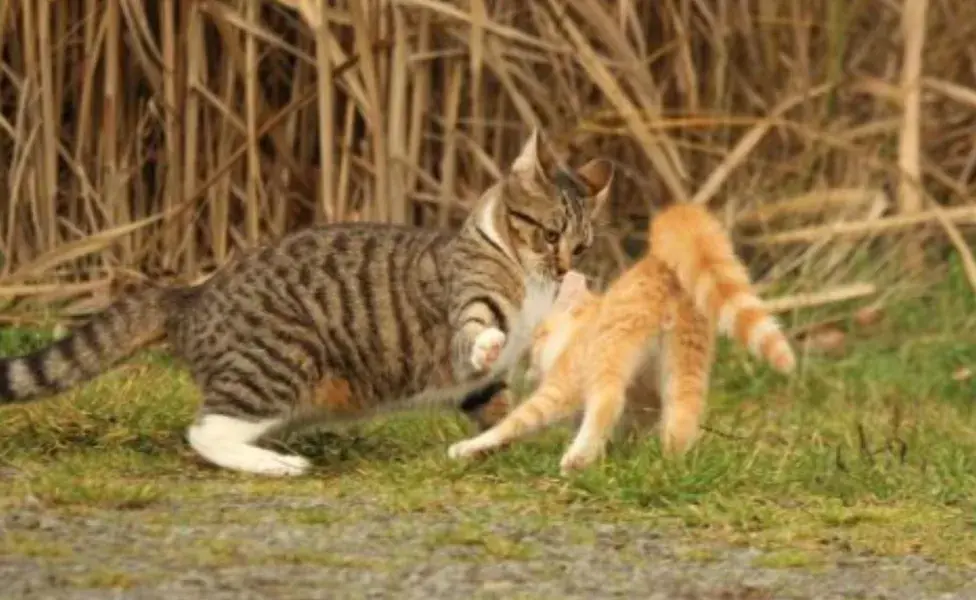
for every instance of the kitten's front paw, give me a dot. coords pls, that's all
(463, 449)
(487, 346)
(577, 459)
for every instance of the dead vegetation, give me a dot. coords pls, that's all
(162, 137)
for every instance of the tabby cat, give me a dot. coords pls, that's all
(342, 320)
(661, 314)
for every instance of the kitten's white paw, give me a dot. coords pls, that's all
(487, 346)
(463, 449)
(578, 458)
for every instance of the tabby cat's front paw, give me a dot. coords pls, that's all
(487, 346)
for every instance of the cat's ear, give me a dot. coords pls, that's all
(572, 290)
(597, 175)
(536, 160)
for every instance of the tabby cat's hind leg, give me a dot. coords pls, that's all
(228, 442)
(235, 414)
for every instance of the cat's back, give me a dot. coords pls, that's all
(647, 281)
(342, 275)
(314, 254)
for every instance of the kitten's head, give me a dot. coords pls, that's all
(572, 306)
(549, 209)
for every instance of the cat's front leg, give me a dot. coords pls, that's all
(475, 347)
(486, 348)
(480, 444)
(605, 401)
(475, 344)
(551, 402)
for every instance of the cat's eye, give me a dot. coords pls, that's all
(579, 249)
(551, 237)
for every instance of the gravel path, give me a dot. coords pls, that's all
(307, 548)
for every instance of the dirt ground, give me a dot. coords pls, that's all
(305, 548)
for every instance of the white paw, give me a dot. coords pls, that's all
(487, 346)
(463, 449)
(285, 466)
(578, 458)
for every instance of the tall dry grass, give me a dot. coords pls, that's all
(835, 136)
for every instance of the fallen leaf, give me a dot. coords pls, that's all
(962, 374)
(868, 315)
(828, 340)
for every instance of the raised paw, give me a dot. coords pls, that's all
(487, 346)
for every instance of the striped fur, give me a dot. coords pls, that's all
(695, 247)
(129, 324)
(336, 321)
(648, 339)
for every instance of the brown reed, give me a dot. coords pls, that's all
(165, 136)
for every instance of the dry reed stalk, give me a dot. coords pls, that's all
(211, 125)
(965, 254)
(747, 143)
(49, 290)
(452, 100)
(829, 296)
(372, 110)
(909, 195)
(811, 203)
(167, 16)
(963, 214)
(254, 198)
(49, 124)
(195, 55)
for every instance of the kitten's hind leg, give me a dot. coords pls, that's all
(686, 364)
(549, 403)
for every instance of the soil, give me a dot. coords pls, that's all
(287, 548)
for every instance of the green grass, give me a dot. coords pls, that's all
(871, 453)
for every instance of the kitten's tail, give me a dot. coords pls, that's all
(110, 336)
(695, 246)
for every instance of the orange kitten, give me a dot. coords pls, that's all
(659, 316)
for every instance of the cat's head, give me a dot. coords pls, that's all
(573, 304)
(548, 209)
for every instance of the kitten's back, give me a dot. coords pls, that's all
(695, 246)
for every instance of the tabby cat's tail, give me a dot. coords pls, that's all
(696, 247)
(110, 336)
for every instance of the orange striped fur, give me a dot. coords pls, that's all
(650, 335)
(695, 247)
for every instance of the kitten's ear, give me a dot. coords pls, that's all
(598, 177)
(572, 290)
(536, 160)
